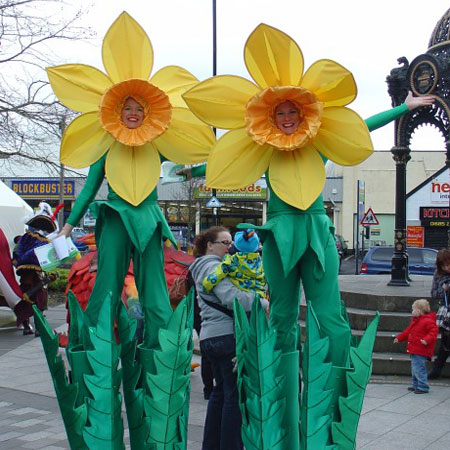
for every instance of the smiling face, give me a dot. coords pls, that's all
(287, 117)
(132, 113)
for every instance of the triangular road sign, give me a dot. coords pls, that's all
(213, 203)
(369, 218)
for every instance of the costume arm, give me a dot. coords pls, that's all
(198, 171)
(383, 118)
(93, 182)
(217, 275)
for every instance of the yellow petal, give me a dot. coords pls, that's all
(133, 172)
(174, 81)
(236, 161)
(332, 83)
(127, 51)
(221, 100)
(84, 141)
(297, 177)
(188, 140)
(343, 137)
(78, 87)
(273, 58)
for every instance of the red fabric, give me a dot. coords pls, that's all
(175, 262)
(6, 267)
(421, 327)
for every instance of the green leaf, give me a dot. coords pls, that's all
(74, 417)
(315, 418)
(105, 429)
(138, 424)
(258, 363)
(344, 432)
(167, 372)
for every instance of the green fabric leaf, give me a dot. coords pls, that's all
(138, 424)
(315, 418)
(105, 429)
(258, 362)
(167, 372)
(344, 432)
(74, 417)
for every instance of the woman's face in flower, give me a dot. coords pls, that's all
(132, 113)
(287, 117)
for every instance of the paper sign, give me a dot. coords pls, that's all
(169, 170)
(48, 259)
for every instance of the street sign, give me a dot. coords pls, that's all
(213, 203)
(369, 218)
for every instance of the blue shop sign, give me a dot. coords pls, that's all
(42, 189)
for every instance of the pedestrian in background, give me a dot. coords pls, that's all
(421, 335)
(217, 342)
(439, 291)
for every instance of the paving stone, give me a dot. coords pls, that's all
(36, 436)
(28, 423)
(9, 435)
(395, 440)
(427, 424)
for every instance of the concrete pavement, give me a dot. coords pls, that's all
(392, 418)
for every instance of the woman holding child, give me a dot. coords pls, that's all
(223, 418)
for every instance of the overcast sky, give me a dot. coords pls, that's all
(366, 37)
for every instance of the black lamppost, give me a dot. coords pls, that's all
(399, 272)
(214, 11)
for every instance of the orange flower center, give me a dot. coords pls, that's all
(157, 112)
(292, 131)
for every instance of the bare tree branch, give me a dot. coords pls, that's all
(30, 115)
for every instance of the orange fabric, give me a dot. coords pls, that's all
(158, 112)
(260, 122)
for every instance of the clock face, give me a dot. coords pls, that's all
(424, 78)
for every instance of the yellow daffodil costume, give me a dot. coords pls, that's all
(129, 225)
(298, 236)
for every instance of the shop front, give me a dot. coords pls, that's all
(427, 211)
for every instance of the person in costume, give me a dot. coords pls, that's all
(287, 124)
(32, 279)
(243, 266)
(138, 128)
(130, 121)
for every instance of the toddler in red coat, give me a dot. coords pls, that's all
(421, 335)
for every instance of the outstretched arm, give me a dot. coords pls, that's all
(411, 102)
(87, 195)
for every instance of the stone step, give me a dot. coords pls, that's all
(384, 342)
(398, 364)
(381, 302)
(360, 318)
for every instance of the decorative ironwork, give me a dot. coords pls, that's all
(428, 74)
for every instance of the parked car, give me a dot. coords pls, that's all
(378, 260)
(76, 234)
(342, 244)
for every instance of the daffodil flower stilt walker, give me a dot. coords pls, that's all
(129, 122)
(286, 124)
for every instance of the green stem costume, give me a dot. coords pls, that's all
(156, 375)
(299, 246)
(123, 232)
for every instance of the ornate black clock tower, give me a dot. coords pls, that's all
(427, 74)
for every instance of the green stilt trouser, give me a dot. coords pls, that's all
(115, 252)
(324, 294)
